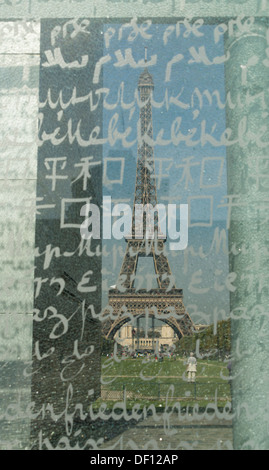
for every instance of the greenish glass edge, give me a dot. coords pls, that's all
(29, 9)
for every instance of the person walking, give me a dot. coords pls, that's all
(191, 368)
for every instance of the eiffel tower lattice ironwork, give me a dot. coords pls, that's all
(165, 301)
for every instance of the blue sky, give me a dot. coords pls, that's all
(207, 183)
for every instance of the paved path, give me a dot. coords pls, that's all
(172, 434)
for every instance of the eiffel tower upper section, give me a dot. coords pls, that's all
(145, 188)
(146, 194)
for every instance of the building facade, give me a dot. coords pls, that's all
(163, 338)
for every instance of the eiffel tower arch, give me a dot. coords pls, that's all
(127, 307)
(125, 303)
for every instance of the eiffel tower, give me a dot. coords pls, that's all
(166, 301)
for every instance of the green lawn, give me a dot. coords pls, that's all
(147, 380)
(142, 367)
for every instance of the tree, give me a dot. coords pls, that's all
(107, 346)
(216, 345)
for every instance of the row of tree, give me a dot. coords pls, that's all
(212, 342)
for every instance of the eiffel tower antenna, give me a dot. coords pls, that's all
(166, 296)
(146, 54)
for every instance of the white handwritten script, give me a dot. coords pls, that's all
(209, 152)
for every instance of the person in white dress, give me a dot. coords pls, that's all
(191, 368)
